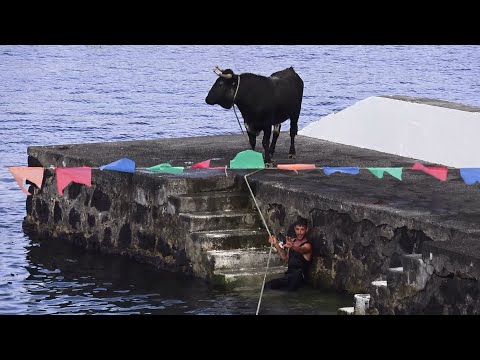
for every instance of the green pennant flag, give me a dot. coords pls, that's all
(166, 168)
(247, 159)
(395, 172)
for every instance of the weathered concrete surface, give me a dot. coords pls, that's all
(441, 280)
(361, 225)
(448, 275)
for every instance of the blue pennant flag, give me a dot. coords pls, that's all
(470, 175)
(346, 170)
(125, 165)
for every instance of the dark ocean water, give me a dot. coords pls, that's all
(75, 94)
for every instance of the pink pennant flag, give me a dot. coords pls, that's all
(206, 165)
(30, 173)
(438, 172)
(81, 175)
(201, 165)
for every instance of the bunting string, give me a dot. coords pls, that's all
(247, 159)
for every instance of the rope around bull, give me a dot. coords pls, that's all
(219, 71)
(235, 111)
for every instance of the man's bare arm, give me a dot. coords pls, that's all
(283, 254)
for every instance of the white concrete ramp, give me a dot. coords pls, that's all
(430, 130)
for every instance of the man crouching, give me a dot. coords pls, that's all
(297, 252)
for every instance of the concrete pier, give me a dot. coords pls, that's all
(204, 223)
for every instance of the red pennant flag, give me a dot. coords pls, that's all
(206, 165)
(30, 173)
(201, 165)
(81, 175)
(438, 172)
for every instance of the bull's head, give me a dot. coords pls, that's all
(223, 91)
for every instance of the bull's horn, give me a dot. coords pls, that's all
(219, 68)
(225, 76)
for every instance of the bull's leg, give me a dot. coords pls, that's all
(276, 132)
(253, 139)
(267, 132)
(293, 131)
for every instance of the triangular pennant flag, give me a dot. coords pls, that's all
(81, 175)
(124, 165)
(395, 172)
(201, 165)
(346, 170)
(378, 172)
(296, 167)
(30, 173)
(438, 172)
(470, 175)
(166, 168)
(247, 159)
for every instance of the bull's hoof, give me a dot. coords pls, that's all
(269, 164)
(292, 156)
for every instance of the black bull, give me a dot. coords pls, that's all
(263, 102)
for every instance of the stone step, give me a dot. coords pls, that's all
(379, 283)
(216, 220)
(378, 290)
(201, 181)
(350, 310)
(253, 276)
(210, 201)
(416, 271)
(231, 239)
(362, 303)
(243, 258)
(411, 261)
(395, 277)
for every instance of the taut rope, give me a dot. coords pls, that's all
(269, 234)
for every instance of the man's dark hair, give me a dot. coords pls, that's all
(301, 222)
